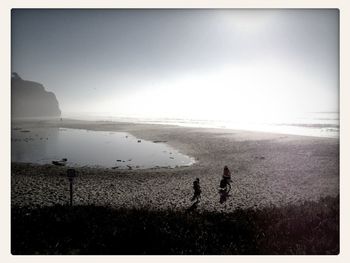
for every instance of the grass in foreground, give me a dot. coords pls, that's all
(310, 228)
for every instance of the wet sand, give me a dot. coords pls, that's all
(268, 169)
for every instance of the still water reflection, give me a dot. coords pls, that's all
(118, 150)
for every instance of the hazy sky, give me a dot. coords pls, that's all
(219, 63)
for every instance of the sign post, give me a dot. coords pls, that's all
(71, 174)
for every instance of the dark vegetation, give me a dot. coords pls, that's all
(309, 228)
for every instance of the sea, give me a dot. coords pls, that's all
(316, 124)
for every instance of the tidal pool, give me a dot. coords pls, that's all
(117, 150)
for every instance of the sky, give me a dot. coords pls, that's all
(194, 63)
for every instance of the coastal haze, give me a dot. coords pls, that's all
(238, 65)
(175, 131)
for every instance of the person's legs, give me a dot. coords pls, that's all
(228, 187)
(193, 197)
(198, 197)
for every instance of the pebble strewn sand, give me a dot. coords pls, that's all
(268, 169)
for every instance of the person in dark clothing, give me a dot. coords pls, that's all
(226, 179)
(225, 186)
(197, 190)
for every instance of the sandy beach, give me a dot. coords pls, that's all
(268, 170)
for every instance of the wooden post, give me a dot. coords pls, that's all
(71, 174)
(71, 191)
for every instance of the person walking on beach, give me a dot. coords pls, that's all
(197, 191)
(225, 185)
(226, 180)
(227, 174)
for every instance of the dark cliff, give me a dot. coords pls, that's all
(30, 99)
